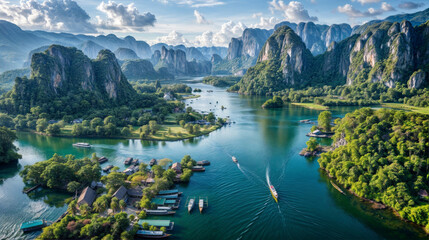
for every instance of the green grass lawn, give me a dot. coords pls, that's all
(422, 110)
(312, 106)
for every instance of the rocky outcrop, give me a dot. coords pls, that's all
(61, 70)
(336, 33)
(389, 53)
(249, 44)
(155, 57)
(142, 69)
(125, 54)
(215, 59)
(176, 64)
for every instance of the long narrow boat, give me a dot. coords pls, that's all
(234, 159)
(191, 204)
(152, 234)
(274, 193)
(33, 225)
(159, 212)
(201, 205)
(82, 145)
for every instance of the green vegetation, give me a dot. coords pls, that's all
(422, 110)
(311, 106)
(276, 102)
(7, 78)
(7, 149)
(324, 121)
(385, 159)
(221, 81)
(226, 66)
(312, 144)
(62, 172)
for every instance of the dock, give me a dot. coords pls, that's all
(27, 191)
(169, 225)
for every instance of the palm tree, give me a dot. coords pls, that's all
(122, 205)
(114, 204)
(73, 187)
(72, 207)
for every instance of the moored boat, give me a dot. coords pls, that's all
(201, 205)
(152, 234)
(107, 168)
(274, 193)
(128, 161)
(82, 145)
(203, 163)
(198, 169)
(234, 159)
(33, 225)
(159, 212)
(102, 160)
(191, 204)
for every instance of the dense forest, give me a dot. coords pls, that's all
(383, 155)
(8, 151)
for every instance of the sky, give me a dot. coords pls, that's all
(191, 22)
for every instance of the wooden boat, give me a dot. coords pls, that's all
(168, 192)
(338, 188)
(33, 225)
(201, 205)
(191, 204)
(274, 193)
(102, 160)
(82, 145)
(159, 212)
(163, 208)
(152, 162)
(234, 159)
(128, 161)
(107, 168)
(152, 234)
(203, 163)
(198, 169)
(135, 162)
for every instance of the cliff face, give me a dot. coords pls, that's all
(90, 49)
(59, 71)
(176, 64)
(142, 69)
(249, 44)
(389, 53)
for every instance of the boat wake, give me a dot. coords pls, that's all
(254, 219)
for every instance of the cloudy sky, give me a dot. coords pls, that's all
(191, 22)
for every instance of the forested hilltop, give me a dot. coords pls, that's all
(383, 155)
(392, 54)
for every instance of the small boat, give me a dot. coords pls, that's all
(203, 163)
(128, 161)
(201, 205)
(163, 208)
(152, 162)
(135, 162)
(107, 168)
(274, 193)
(33, 225)
(152, 234)
(234, 159)
(191, 204)
(82, 145)
(102, 160)
(198, 169)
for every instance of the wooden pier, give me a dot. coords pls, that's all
(27, 191)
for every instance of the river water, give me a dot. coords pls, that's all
(267, 145)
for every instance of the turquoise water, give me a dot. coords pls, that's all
(266, 144)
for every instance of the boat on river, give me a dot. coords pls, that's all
(234, 159)
(33, 225)
(191, 204)
(159, 212)
(82, 145)
(152, 234)
(274, 193)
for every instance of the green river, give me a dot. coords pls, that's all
(266, 144)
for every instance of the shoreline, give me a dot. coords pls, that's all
(123, 137)
(374, 204)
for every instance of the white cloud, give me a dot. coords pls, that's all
(294, 11)
(366, 1)
(222, 37)
(52, 15)
(386, 7)
(410, 5)
(173, 38)
(266, 23)
(256, 15)
(352, 12)
(200, 18)
(195, 3)
(124, 17)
